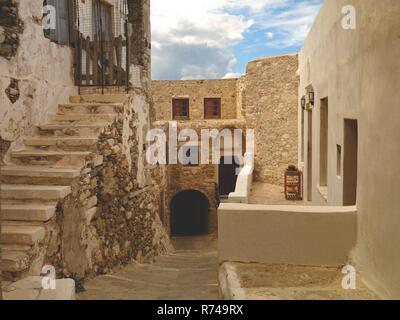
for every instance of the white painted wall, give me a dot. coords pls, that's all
(359, 70)
(303, 235)
(244, 181)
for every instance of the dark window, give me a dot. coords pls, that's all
(62, 33)
(212, 108)
(180, 109)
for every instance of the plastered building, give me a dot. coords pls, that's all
(348, 127)
(348, 138)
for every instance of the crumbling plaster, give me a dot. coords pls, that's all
(43, 70)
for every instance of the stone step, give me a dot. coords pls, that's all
(20, 234)
(27, 212)
(108, 98)
(64, 143)
(15, 247)
(82, 117)
(37, 175)
(90, 108)
(43, 157)
(34, 192)
(14, 261)
(72, 129)
(31, 288)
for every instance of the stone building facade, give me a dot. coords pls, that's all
(267, 105)
(254, 101)
(196, 91)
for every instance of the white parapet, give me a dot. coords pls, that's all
(244, 181)
(303, 235)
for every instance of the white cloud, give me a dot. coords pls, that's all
(269, 35)
(232, 75)
(191, 39)
(194, 38)
(291, 24)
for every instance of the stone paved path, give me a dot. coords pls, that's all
(191, 272)
(265, 193)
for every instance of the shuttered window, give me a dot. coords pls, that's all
(180, 109)
(61, 34)
(212, 108)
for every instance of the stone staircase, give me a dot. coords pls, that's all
(41, 175)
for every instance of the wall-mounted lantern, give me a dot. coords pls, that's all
(303, 102)
(311, 97)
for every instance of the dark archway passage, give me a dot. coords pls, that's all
(189, 214)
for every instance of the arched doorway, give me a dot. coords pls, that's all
(189, 213)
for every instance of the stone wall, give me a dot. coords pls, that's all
(112, 216)
(203, 178)
(10, 28)
(269, 103)
(196, 91)
(29, 89)
(265, 98)
(129, 190)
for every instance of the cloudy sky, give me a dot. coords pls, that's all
(203, 39)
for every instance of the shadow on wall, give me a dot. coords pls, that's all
(189, 214)
(4, 146)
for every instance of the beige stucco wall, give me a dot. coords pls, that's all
(44, 73)
(286, 234)
(359, 71)
(196, 90)
(269, 105)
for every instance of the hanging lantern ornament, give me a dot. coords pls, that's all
(303, 102)
(311, 96)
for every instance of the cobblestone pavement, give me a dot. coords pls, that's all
(189, 273)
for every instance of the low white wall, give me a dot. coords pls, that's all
(244, 181)
(303, 235)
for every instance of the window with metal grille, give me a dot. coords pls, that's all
(180, 109)
(64, 17)
(212, 108)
